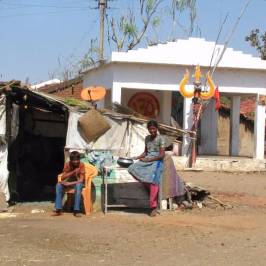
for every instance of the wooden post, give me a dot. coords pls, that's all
(197, 110)
(193, 151)
(102, 5)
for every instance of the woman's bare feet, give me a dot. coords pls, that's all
(153, 212)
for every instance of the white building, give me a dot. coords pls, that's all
(157, 70)
(42, 84)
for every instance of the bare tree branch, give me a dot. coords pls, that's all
(150, 10)
(127, 29)
(180, 6)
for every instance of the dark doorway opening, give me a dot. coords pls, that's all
(177, 108)
(36, 155)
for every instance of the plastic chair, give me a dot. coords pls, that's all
(90, 173)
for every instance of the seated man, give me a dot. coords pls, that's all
(73, 176)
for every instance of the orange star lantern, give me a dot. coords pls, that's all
(197, 92)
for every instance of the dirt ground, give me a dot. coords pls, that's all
(208, 236)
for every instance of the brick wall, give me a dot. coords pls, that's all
(67, 89)
(70, 92)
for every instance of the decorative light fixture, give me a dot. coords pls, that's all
(197, 92)
(198, 95)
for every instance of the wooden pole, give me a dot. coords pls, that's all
(102, 7)
(196, 117)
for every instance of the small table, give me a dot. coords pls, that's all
(105, 183)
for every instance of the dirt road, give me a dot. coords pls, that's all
(207, 236)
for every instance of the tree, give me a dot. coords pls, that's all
(128, 31)
(258, 41)
(181, 6)
(125, 31)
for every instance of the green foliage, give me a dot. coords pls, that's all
(258, 41)
(71, 70)
(90, 57)
(150, 5)
(225, 101)
(251, 114)
(130, 29)
(127, 31)
(156, 21)
(76, 103)
(182, 5)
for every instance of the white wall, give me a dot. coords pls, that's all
(240, 81)
(164, 99)
(99, 77)
(167, 77)
(192, 51)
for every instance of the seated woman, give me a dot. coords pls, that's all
(149, 168)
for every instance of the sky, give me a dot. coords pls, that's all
(39, 37)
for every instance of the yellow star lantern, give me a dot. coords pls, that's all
(197, 92)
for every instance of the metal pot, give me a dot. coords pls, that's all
(125, 162)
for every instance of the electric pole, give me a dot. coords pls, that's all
(102, 5)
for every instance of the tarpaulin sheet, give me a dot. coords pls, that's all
(2, 116)
(4, 173)
(124, 138)
(3, 151)
(74, 140)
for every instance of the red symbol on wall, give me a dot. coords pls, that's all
(145, 103)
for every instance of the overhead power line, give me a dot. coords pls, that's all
(13, 5)
(231, 35)
(41, 13)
